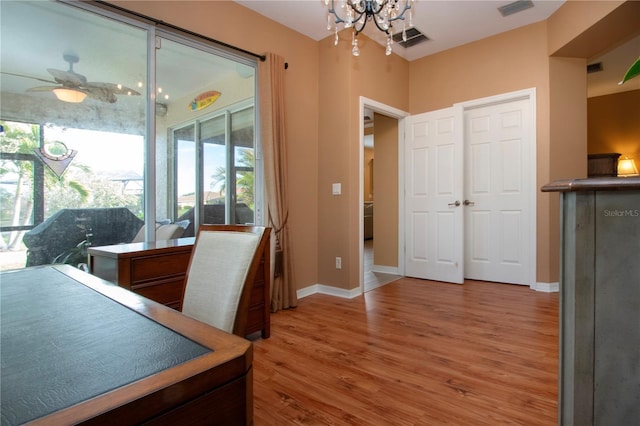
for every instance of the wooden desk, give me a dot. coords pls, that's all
(156, 270)
(77, 349)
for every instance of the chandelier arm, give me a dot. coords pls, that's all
(331, 9)
(407, 6)
(364, 24)
(339, 20)
(355, 9)
(375, 21)
(372, 7)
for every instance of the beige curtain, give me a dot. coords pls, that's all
(274, 148)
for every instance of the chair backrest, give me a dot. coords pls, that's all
(163, 232)
(223, 266)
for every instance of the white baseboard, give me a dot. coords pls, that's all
(546, 287)
(355, 292)
(385, 269)
(376, 285)
(326, 289)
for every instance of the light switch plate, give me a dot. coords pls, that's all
(337, 189)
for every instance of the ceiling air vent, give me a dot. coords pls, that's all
(515, 7)
(597, 67)
(414, 36)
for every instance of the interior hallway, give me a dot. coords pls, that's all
(372, 279)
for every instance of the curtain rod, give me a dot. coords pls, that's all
(175, 27)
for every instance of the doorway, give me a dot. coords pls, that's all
(380, 236)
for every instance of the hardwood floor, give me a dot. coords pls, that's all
(412, 352)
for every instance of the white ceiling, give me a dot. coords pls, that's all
(447, 23)
(451, 23)
(615, 64)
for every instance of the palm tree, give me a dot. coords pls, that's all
(23, 140)
(219, 177)
(18, 141)
(245, 179)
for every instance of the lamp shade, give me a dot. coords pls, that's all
(627, 167)
(69, 95)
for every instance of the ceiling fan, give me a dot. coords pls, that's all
(74, 87)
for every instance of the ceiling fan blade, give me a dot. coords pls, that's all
(42, 88)
(29, 76)
(67, 78)
(100, 94)
(117, 89)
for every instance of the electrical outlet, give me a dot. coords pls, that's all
(338, 263)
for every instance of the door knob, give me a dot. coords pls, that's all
(456, 204)
(468, 203)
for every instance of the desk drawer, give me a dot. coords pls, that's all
(168, 292)
(156, 267)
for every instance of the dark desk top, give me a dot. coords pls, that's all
(65, 342)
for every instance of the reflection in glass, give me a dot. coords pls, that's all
(213, 141)
(77, 77)
(73, 77)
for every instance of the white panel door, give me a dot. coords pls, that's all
(496, 202)
(433, 195)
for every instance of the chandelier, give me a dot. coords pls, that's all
(356, 13)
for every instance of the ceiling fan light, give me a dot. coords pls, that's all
(69, 95)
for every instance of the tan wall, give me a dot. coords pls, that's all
(368, 174)
(577, 31)
(324, 83)
(385, 180)
(567, 27)
(302, 100)
(503, 63)
(567, 152)
(520, 59)
(333, 223)
(613, 124)
(343, 79)
(581, 29)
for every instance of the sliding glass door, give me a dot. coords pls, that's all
(110, 123)
(215, 117)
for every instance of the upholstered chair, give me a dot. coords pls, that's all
(222, 269)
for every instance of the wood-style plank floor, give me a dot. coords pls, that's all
(412, 352)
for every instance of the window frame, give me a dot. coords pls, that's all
(154, 30)
(37, 180)
(230, 166)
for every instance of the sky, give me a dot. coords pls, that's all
(122, 154)
(102, 151)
